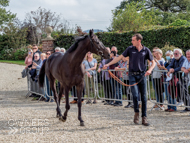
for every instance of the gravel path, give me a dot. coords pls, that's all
(23, 120)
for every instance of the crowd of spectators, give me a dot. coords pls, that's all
(170, 77)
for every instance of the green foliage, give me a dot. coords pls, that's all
(166, 48)
(13, 37)
(5, 16)
(179, 22)
(13, 54)
(20, 54)
(64, 40)
(162, 5)
(133, 18)
(176, 36)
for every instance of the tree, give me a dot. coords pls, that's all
(41, 18)
(16, 37)
(5, 16)
(134, 17)
(162, 5)
(167, 10)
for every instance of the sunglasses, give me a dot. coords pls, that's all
(34, 48)
(175, 53)
(35, 56)
(48, 54)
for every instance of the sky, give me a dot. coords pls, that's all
(89, 14)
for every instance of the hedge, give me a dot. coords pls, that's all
(176, 36)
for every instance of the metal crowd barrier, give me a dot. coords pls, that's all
(90, 90)
(160, 90)
(110, 88)
(33, 87)
(169, 91)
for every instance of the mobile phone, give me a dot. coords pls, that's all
(161, 63)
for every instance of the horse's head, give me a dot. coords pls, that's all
(97, 46)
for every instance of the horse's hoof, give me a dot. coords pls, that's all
(81, 123)
(61, 119)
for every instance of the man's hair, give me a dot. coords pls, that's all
(63, 49)
(37, 54)
(156, 48)
(188, 51)
(57, 48)
(179, 50)
(138, 36)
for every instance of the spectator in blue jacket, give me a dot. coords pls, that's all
(174, 67)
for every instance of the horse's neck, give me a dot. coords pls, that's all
(79, 54)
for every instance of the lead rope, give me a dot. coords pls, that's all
(122, 83)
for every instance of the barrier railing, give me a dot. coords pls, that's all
(168, 90)
(161, 90)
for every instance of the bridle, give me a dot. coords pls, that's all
(100, 53)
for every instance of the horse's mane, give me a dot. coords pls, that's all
(75, 45)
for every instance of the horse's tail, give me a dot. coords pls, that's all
(42, 75)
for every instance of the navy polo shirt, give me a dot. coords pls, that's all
(137, 60)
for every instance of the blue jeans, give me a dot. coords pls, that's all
(48, 91)
(169, 98)
(116, 90)
(142, 90)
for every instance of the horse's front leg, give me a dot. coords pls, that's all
(79, 95)
(67, 106)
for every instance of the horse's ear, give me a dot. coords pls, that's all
(91, 32)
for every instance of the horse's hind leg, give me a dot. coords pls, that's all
(79, 95)
(61, 92)
(67, 106)
(53, 88)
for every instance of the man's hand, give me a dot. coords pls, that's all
(148, 72)
(168, 74)
(116, 68)
(171, 70)
(186, 71)
(34, 64)
(99, 70)
(106, 66)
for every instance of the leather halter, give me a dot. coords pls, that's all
(100, 53)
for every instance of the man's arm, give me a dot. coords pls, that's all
(150, 68)
(180, 65)
(115, 60)
(171, 65)
(184, 70)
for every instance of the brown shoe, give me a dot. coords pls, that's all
(73, 102)
(136, 118)
(144, 121)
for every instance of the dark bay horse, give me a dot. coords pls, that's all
(69, 71)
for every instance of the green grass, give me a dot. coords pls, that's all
(13, 62)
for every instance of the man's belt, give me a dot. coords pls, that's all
(136, 73)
